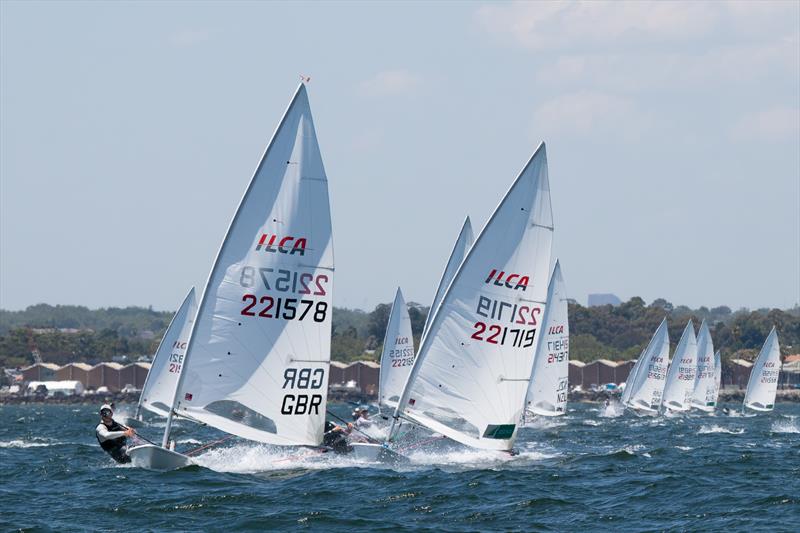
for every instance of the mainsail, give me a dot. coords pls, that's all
(397, 356)
(547, 389)
(259, 352)
(159, 387)
(704, 396)
(471, 373)
(626, 394)
(460, 249)
(679, 386)
(717, 374)
(763, 383)
(648, 385)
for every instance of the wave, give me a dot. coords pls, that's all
(785, 426)
(719, 429)
(612, 410)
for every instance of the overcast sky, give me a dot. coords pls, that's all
(129, 132)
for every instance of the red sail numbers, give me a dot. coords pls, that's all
(510, 281)
(285, 245)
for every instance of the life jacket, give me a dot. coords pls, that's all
(114, 447)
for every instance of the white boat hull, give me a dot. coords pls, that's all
(375, 453)
(157, 458)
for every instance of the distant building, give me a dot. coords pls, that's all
(576, 373)
(603, 299)
(622, 371)
(105, 375)
(56, 388)
(40, 372)
(76, 372)
(598, 373)
(336, 375)
(134, 375)
(365, 374)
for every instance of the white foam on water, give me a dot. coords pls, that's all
(544, 422)
(188, 441)
(26, 444)
(785, 426)
(685, 448)
(719, 429)
(612, 410)
(250, 459)
(590, 422)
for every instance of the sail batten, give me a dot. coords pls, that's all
(258, 356)
(481, 332)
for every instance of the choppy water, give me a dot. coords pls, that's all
(583, 471)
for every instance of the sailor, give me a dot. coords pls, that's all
(335, 437)
(112, 435)
(361, 418)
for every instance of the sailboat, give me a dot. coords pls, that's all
(679, 386)
(549, 381)
(717, 375)
(257, 361)
(763, 383)
(457, 255)
(704, 396)
(648, 384)
(471, 372)
(161, 382)
(626, 393)
(397, 356)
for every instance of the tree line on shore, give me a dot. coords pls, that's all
(65, 333)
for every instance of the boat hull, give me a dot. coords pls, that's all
(157, 458)
(375, 453)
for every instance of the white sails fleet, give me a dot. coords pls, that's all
(252, 357)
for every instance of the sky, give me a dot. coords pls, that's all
(129, 132)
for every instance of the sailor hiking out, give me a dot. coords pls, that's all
(113, 436)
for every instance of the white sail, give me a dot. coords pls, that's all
(704, 396)
(471, 373)
(626, 394)
(158, 390)
(397, 356)
(259, 353)
(648, 386)
(549, 382)
(763, 383)
(679, 386)
(717, 375)
(460, 249)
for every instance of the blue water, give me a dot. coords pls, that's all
(583, 471)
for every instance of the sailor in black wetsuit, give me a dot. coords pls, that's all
(335, 437)
(112, 436)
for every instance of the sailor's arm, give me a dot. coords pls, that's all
(105, 434)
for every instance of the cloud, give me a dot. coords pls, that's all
(587, 112)
(634, 71)
(391, 82)
(771, 125)
(548, 25)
